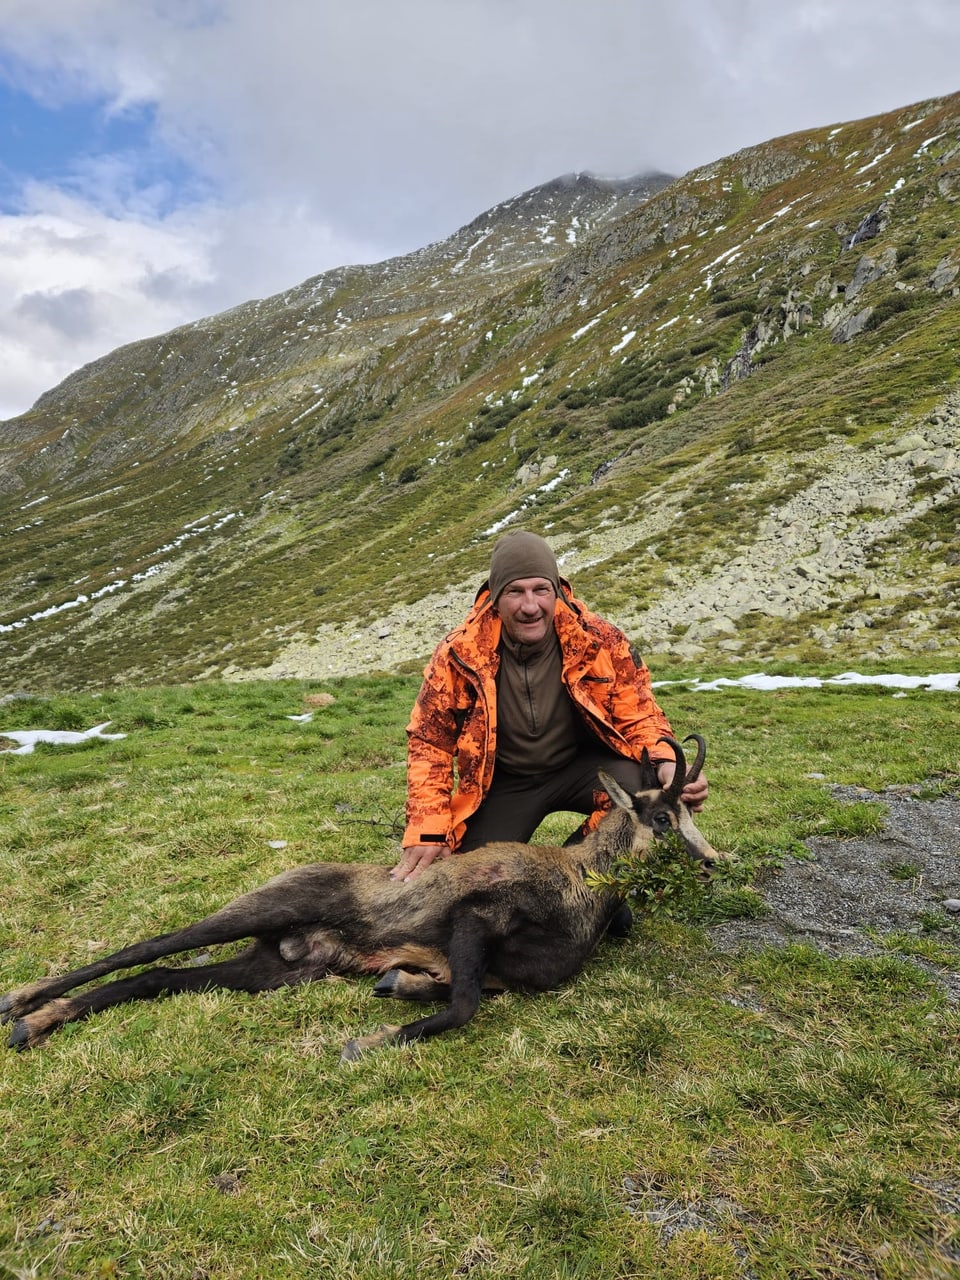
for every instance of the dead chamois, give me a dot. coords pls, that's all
(505, 916)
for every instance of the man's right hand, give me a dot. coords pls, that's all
(416, 858)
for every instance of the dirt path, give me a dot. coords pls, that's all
(892, 883)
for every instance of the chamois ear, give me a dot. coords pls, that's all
(648, 772)
(622, 799)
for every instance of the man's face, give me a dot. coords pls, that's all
(526, 608)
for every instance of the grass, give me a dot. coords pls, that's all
(673, 1112)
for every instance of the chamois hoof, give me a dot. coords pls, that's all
(19, 1037)
(351, 1051)
(621, 924)
(354, 1050)
(387, 984)
(21, 1001)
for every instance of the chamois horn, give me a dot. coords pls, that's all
(676, 786)
(694, 771)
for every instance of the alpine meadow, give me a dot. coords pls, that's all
(730, 400)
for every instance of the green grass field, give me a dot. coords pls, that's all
(675, 1112)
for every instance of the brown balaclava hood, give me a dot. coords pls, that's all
(520, 554)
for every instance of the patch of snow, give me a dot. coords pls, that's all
(312, 409)
(192, 530)
(929, 143)
(876, 160)
(458, 266)
(727, 256)
(527, 503)
(28, 738)
(585, 328)
(780, 212)
(946, 682)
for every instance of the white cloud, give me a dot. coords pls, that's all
(75, 282)
(317, 134)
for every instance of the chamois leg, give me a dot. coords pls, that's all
(258, 968)
(263, 910)
(467, 957)
(400, 984)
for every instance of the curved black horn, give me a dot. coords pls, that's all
(679, 778)
(694, 771)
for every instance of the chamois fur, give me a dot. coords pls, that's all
(507, 915)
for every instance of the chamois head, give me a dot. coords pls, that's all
(660, 809)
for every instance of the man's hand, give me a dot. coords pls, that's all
(416, 858)
(693, 795)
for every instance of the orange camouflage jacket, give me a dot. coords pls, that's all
(452, 734)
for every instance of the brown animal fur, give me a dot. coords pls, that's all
(504, 916)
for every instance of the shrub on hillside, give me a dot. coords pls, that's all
(639, 413)
(736, 306)
(892, 305)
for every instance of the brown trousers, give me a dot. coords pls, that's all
(517, 803)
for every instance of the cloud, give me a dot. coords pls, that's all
(277, 141)
(77, 282)
(68, 312)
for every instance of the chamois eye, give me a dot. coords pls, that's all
(661, 820)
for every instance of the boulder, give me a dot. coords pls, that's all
(852, 325)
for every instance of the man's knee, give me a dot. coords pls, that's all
(627, 772)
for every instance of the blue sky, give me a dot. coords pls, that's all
(161, 160)
(65, 143)
(46, 142)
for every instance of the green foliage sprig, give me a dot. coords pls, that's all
(668, 885)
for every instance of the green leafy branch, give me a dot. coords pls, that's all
(667, 884)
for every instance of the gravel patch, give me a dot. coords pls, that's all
(850, 893)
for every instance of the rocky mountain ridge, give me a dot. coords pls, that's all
(800, 563)
(730, 401)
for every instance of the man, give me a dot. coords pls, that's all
(519, 708)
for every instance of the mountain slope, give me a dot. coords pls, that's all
(731, 402)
